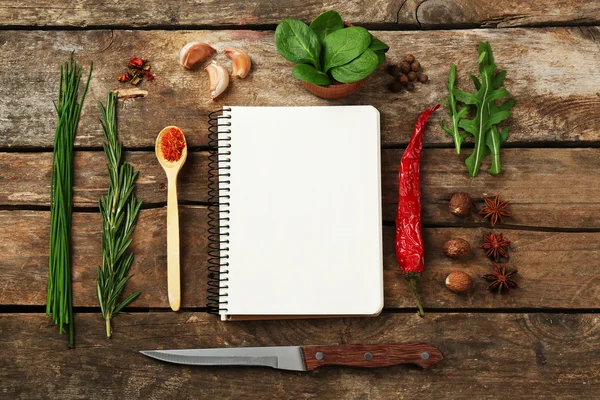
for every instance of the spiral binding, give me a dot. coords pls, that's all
(218, 210)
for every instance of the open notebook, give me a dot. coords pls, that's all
(297, 231)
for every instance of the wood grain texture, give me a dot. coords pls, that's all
(551, 188)
(24, 268)
(390, 13)
(556, 270)
(550, 72)
(525, 356)
(371, 355)
(431, 14)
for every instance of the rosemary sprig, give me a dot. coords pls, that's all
(59, 301)
(119, 209)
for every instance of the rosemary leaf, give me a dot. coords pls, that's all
(119, 209)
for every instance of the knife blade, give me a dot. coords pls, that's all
(305, 358)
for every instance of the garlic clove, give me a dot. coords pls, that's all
(219, 79)
(240, 60)
(194, 52)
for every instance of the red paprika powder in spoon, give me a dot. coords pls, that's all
(409, 238)
(172, 144)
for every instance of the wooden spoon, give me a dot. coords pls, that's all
(172, 170)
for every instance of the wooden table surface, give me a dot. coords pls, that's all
(542, 341)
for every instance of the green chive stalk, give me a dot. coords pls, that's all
(119, 209)
(59, 302)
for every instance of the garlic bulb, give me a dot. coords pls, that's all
(194, 52)
(219, 79)
(240, 60)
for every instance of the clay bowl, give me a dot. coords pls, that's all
(333, 91)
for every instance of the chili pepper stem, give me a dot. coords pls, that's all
(413, 282)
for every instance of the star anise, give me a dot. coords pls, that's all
(494, 244)
(495, 210)
(501, 279)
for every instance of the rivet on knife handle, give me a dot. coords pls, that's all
(375, 355)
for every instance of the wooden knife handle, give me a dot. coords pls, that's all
(370, 356)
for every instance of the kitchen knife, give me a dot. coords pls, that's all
(305, 358)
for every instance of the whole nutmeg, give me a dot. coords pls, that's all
(403, 79)
(460, 204)
(423, 78)
(457, 248)
(410, 86)
(416, 66)
(459, 282)
(405, 67)
(410, 59)
(412, 76)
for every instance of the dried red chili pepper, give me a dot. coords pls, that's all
(409, 238)
(125, 77)
(136, 62)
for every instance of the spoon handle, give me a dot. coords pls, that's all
(174, 286)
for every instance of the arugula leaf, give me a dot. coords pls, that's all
(343, 46)
(326, 23)
(296, 42)
(357, 69)
(308, 73)
(493, 138)
(455, 115)
(488, 114)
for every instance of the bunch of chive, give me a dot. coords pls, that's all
(60, 297)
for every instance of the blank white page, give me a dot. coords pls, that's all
(305, 233)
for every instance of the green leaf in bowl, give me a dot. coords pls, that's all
(344, 45)
(310, 74)
(357, 69)
(296, 42)
(326, 23)
(378, 46)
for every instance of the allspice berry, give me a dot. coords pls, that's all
(460, 204)
(457, 248)
(403, 79)
(412, 75)
(396, 87)
(410, 59)
(423, 78)
(393, 70)
(410, 86)
(459, 282)
(405, 67)
(416, 66)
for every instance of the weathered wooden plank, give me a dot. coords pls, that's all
(546, 187)
(390, 13)
(500, 14)
(557, 270)
(25, 266)
(525, 356)
(85, 13)
(549, 73)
